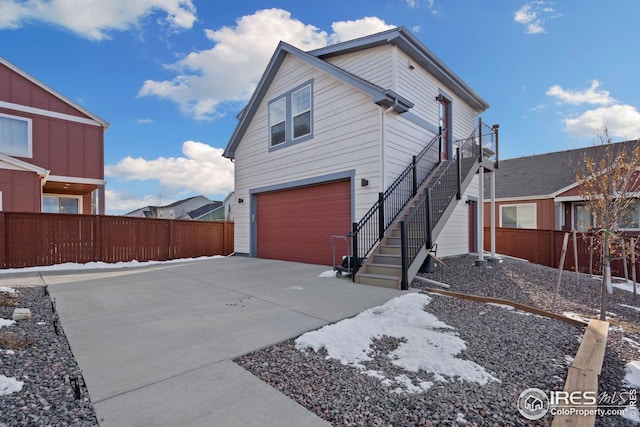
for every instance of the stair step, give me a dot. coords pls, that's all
(393, 241)
(378, 280)
(387, 259)
(390, 249)
(385, 269)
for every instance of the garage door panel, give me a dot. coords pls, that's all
(296, 224)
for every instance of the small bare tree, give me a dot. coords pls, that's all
(608, 178)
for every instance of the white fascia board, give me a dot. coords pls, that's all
(518, 199)
(48, 113)
(8, 162)
(76, 180)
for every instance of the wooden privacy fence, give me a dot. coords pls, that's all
(32, 239)
(545, 247)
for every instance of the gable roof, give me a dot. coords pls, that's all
(53, 92)
(381, 96)
(406, 41)
(543, 175)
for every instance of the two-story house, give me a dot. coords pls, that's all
(51, 149)
(374, 139)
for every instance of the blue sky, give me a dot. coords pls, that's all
(171, 75)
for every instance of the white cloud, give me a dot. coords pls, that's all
(534, 14)
(118, 202)
(95, 19)
(202, 170)
(229, 71)
(622, 121)
(587, 96)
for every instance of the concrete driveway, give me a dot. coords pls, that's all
(156, 344)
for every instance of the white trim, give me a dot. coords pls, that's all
(76, 180)
(53, 92)
(48, 113)
(516, 205)
(8, 162)
(29, 153)
(67, 196)
(569, 199)
(0, 201)
(518, 199)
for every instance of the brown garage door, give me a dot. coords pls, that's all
(296, 224)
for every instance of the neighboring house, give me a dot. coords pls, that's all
(228, 206)
(541, 192)
(327, 131)
(51, 149)
(175, 210)
(210, 212)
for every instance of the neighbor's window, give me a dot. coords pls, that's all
(61, 204)
(582, 218)
(632, 219)
(518, 216)
(291, 116)
(15, 136)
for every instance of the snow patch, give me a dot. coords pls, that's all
(6, 322)
(428, 343)
(9, 385)
(632, 378)
(328, 273)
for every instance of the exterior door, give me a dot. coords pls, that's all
(297, 224)
(445, 123)
(473, 225)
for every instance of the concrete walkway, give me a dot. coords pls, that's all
(156, 344)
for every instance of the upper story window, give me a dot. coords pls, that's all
(15, 136)
(291, 117)
(518, 216)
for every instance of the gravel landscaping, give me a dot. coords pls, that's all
(520, 350)
(35, 356)
(514, 349)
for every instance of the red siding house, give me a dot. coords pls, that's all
(51, 149)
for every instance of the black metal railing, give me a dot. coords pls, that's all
(417, 228)
(370, 230)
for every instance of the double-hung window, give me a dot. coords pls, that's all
(291, 116)
(15, 136)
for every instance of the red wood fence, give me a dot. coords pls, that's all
(32, 239)
(545, 247)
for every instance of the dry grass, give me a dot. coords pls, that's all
(15, 341)
(8, 299)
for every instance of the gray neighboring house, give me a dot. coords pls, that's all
(175, 210)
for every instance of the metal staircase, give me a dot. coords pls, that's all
(402, 243)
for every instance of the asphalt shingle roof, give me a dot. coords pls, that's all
(542, 174)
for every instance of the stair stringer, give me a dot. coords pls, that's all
(393, 263)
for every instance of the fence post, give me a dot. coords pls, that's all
(380, 215)
(3, 236)
(355, 265)
(404, 285)
(97, 239)
(170, 253)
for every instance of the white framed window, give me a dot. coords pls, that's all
(583, 220)
(277, 121)
(62, 203)
(518, 216)
(291, 117)
(301, 111)
(16, 136)
(632, 218)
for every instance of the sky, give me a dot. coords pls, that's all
(170, 76)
